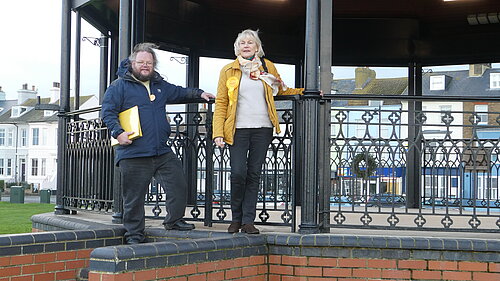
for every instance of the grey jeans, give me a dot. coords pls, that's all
(136, 174)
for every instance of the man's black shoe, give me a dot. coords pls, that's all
(179, 225)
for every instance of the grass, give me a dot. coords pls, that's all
(15, 218)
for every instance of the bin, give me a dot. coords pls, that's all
(45, 196)
(16, 194)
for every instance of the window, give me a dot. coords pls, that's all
(35, 135)
(43, 168)
(481, 111)
(10, 137)
(18, 111)
(2, 168)
(24, 137)
(9, 167)
(495, 81)
(360, 128)
(34, 167)
(43, 139)
(437, 82)
(376, 103)
(48, 113)
(2, 137)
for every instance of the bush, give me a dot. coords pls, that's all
(2, 185)
(24, 184)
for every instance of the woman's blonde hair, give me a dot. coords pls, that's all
(248, 33)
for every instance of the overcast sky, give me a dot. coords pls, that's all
(31, 44)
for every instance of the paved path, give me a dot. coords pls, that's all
(29, 198)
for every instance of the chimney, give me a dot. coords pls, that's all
(2, 94)
(363, 75)
(55, 92)
(24, 94)
(477, 70)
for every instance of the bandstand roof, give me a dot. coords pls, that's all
(365, 32)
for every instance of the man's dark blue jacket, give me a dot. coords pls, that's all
(126, 92)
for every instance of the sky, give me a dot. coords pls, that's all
(31, 44)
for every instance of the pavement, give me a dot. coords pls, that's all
(29, 198)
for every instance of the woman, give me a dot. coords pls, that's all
(244, 118)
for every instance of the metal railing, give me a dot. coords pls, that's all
(456, 188)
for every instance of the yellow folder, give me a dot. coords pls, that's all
(130, 122)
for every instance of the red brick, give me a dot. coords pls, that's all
(456, 275)
(249, 271)
(32, 268)
(75, 264)
(69, 255)
(263, 269)
(351, 262)
(241, 262)
(65, 275)
(472, 266)
(412, 264)
(53, 266)
(420, 274)
(178, 279)
(27, 259)
(397, 274)
(483, 276)
(206, 267)
(381, 263)
(233, 273)
(166, 272)
(275, 259)
(186, 269)
(369, 273)
(145, 275)
(225, 264)
(215, 276)
(257, 260)
(44, 277)
(94, 276)
(4, 261)
(45, 258)
(337, 272)
(308, 271)
(288, 260)
(273, 277)
(22, 278)
(129, 276)
(494, 267)
(326, 262)
(198, 277)
(10, 271)
(281, 269)
(83, 254)
(443, 265)
(293, 278)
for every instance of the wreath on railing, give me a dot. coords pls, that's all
(363, 165)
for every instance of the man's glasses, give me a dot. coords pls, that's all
(146, 63)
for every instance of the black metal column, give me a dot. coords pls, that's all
(413, 174)
(139, 21)
(103, 67)
(191, 157)
(309, 126)
(324, 170)
(124, 30)
(63, 105)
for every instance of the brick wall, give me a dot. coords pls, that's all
(48, 256)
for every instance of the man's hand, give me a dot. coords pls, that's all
(123, 138)
(219, 141)
(207, 96)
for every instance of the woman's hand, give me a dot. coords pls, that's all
(219, 141)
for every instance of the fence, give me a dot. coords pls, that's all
(391, 167)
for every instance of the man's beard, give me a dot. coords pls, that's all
(140, 77)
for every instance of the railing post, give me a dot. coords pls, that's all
(309, 125)
(191, 157)
(63, 106)
(413, 164)
(209, 180)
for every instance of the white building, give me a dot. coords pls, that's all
(28, 137)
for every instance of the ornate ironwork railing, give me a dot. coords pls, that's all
(455, 168)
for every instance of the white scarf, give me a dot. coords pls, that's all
(253, 68)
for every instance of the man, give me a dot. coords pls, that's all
(147, 156)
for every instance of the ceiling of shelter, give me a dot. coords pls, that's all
(365, 32)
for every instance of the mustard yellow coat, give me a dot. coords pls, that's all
(224, 121)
